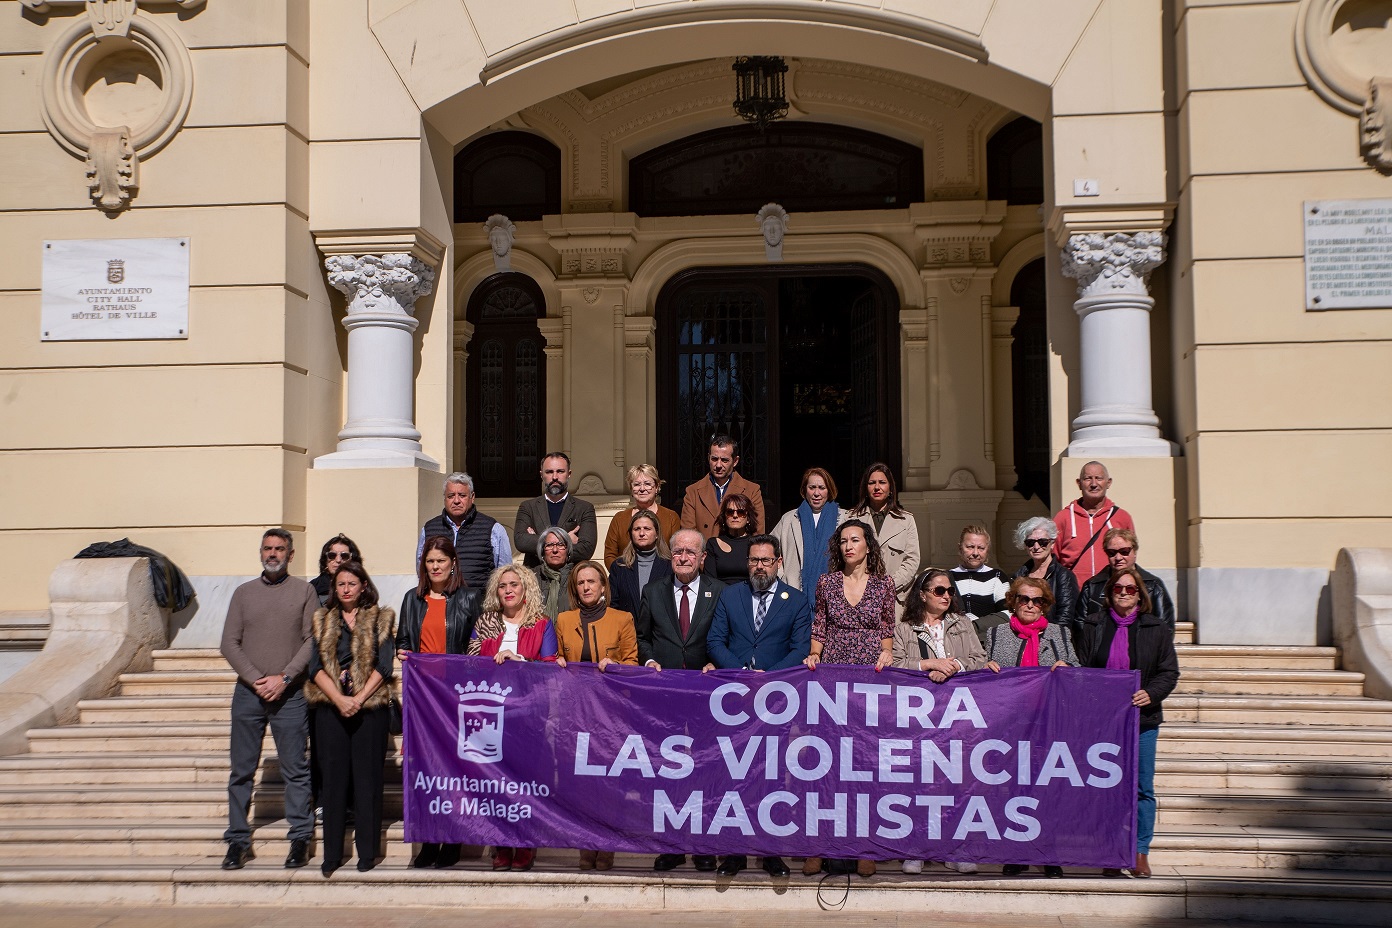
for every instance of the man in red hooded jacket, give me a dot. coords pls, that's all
(1083, 522)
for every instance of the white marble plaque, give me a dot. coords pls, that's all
(1348, 254)
(117, 288)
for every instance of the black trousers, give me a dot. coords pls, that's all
(352, 753)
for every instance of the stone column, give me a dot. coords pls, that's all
(463, 335)
(1003, 319)
(1113, 306)
(382, 291)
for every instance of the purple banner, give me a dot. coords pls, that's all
(1025, 766)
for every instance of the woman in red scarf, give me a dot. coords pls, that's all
(1029, 640)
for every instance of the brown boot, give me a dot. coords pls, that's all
(604, 860)
(1142, 869)
(865, 867)
(587, 859)
(812, 866)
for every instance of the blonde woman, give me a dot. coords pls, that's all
(644, 485)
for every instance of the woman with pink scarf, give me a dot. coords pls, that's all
(1128, 636)
(1029, 640)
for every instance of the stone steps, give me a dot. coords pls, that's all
(178, 683)
(1260, 682)
(1210, 893)
(1247, 656)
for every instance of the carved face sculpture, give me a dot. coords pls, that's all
(773, 231)
(500, 240)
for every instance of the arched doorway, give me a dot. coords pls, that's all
(799, 364)
(506, 386)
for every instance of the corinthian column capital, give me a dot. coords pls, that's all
(1113, 263)
(386, 283)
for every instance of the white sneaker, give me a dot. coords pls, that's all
(913, 866)
(960, 867)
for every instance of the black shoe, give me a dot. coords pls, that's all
(299, 854)
(774, 866)
(1113, 873)
(1054, 873)
(364, 864)
(703, 862)
(732, 865)
(237, 856)
(429, 853)
(449, 856)
(666, 862)
(329, 866)
(1014, 869)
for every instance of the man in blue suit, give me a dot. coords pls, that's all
(760, 625)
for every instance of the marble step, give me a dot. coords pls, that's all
(178, 683)
(1284, 810)
(1274, 740)
(688, 898)
(1349, 776)
(1250, 656)
(174, 710)
(205, 659)
(1260, 682)
(1302, 711)
(123, 769)
(1180, 846)
(1184, 633)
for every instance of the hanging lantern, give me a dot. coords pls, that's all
(759, 89)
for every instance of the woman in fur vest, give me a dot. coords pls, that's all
(349, 668)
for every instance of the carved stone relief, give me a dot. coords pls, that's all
(104, 67)
(501, 233)
(1345, 52)
(773, 224)
(1119, 262)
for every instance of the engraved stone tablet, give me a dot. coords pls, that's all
(1348, 254)
(120, 288)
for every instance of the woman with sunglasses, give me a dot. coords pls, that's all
(1036, 538)
(338, 550)
(852, 617)
(437, 617)
(937, 638)
(727, 552)
(1029, 639)
(1128, 636)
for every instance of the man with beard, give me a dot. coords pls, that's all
(480, 543)
(555, 507)
(760, 624)
(701, 505)
(266, 639)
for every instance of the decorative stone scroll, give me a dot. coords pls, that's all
(108, 42)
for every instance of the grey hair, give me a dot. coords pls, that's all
(1028, 527)
(560, 533)
(701, 539)
(460, 477)
(282, 534)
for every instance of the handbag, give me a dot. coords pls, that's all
(394, 716)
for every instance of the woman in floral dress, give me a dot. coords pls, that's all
(853, 617)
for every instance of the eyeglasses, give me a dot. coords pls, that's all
(940, 590)
(554, 544)
(1119, 552)
(1038, 542)
(762, 561)
(1125, 589)
(1032, 600)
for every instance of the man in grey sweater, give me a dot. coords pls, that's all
(266, 639)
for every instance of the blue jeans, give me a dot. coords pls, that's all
(1145, 791)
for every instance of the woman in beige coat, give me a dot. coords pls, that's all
(935, 637)
(895, 528)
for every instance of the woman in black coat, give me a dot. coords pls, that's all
(645, 559)
(437, 617)
(1036, 538)
(1148, 646)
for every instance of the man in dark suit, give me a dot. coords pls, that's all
(701, 505)
(556, 506)
(674, 616)
(760, 624)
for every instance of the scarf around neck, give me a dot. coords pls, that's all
(1031, 632)
(1119, 655)
(551, 586)
(815, 540)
